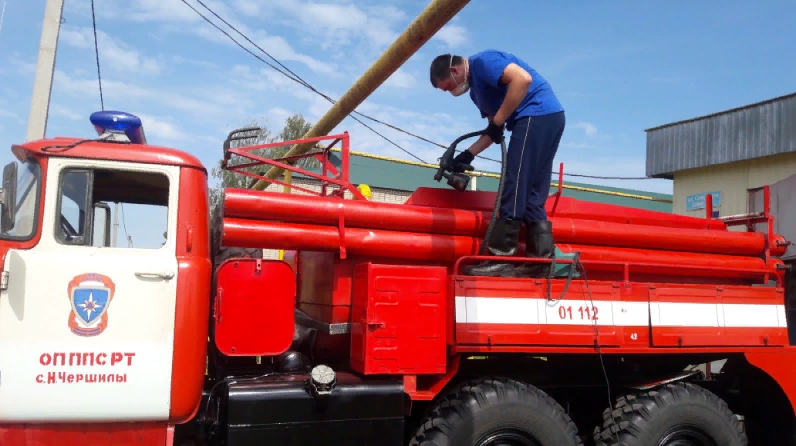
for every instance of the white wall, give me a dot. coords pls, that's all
(732, 179)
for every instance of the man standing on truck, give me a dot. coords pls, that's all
(511, 94)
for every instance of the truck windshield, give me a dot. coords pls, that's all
(28, 178)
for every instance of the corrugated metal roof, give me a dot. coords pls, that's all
(753, 131)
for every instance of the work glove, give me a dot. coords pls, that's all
(495, 132)
(461, 162)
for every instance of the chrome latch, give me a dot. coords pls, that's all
(4, 281)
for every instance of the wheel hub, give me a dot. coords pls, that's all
(508, 437)
(686, 436)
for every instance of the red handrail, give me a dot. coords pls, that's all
(329, 173)
(766, 272)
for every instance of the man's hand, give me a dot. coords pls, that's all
(495, 132)
(461, 160)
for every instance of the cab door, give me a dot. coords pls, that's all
(87, 319)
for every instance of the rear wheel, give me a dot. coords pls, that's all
(497, 412)
(678, 414)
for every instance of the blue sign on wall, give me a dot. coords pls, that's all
(697, 201)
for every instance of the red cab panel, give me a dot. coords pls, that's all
(399, 319)
(253, 309)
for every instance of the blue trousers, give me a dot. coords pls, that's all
(529, 166)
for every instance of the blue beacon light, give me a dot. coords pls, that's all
(114, 124)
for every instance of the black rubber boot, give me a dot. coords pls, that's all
(538, 243)
(503, 242)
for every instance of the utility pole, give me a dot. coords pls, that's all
(45, 69)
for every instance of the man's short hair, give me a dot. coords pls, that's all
(439, 67)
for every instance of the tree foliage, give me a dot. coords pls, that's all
(295, 127)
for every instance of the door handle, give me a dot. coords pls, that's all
(163, 275)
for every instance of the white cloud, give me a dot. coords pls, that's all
(22, 67)
(279, 116)
(177, 59)
(588, 128)
(160, 128)
(247, 7)
(577, 145)
(332, 25)
(401, 79)
(281, 50)
(179, 13)
(156, 10)
(452, 35)
(201, 102)
(112, 52)
(65, 112)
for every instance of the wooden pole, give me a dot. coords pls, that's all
(431, 20)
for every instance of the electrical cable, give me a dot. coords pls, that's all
(605, 177)
(124, 224)
(65, 147)
(96, 52)
(296, 78)
(597, 338)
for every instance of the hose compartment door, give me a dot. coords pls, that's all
(253, 309)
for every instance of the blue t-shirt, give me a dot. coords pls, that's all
(487, 93)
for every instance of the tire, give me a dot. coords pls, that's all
(661, 417)
(495, 411)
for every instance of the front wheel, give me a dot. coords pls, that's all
(497, 412)
(678, 414)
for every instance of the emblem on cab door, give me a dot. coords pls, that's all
(90, 295)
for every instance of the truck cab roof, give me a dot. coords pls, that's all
(101, 150)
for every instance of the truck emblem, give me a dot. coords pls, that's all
(90, 295)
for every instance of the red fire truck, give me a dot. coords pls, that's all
(366, 332)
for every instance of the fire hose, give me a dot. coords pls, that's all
(458, 180)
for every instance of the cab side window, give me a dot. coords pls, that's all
(112, 208)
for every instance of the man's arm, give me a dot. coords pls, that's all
(518, 81)
(480, 144)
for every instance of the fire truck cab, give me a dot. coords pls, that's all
(92, 330)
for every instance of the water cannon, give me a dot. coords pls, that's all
(118, 126)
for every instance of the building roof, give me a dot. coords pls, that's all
(752, 131)
(388, 173)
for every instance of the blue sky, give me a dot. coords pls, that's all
(617, 67)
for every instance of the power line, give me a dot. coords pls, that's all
(605, 178)
(306, 84)
(296, 78)
(96, 52)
